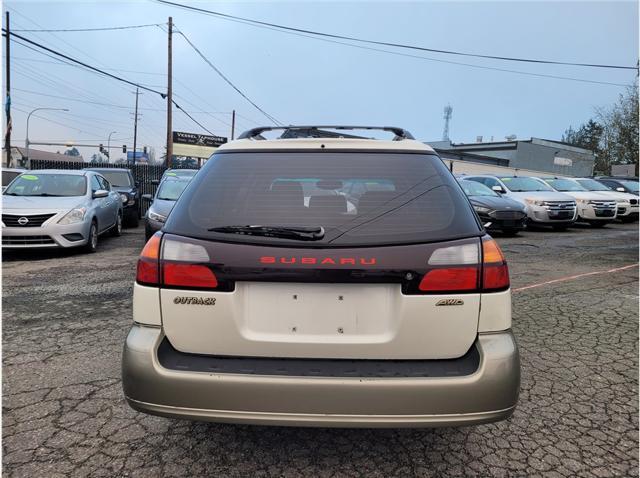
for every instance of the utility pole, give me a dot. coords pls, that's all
(169, 98)
(233, 124)
(135, 127)
(7, 138)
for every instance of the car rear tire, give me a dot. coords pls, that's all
(116, 230)
(92, 242)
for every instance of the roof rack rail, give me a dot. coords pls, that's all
(319, 131)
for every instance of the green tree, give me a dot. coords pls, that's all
(72, 152)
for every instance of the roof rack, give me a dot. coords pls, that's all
(313, 131)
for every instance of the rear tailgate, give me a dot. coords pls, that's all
(319, 303)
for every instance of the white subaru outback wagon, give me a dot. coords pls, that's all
(323, 281)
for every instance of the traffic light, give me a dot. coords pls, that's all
(124, 148)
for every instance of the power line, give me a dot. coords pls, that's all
(93, 68)
(100, 29)
(271, 118)
(395, 45)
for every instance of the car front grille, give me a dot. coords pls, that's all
(603, 204)
(508, 215)
(33, 220)
(26, 240)
(560, 205)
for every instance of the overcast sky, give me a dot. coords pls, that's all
(298, 79)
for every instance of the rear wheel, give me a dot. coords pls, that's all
(116, 230)
(92, 242)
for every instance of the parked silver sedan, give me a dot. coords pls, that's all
(59, 208)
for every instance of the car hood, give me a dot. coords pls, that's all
(496, 203)
(616, 195)
(29, 203)
(586, 195)
(541, 195)
(162, 206)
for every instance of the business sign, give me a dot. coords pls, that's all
(180, 137)
(142, 156)
(560, 161)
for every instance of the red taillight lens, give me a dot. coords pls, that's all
(148, 270)
(450, 279)
(495, 273)
(188, 275)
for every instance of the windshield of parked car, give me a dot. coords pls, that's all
(592, 185)
(631, 185)
(118, 179)
(356, 198)
(524, 184)
(565, 185)
(34, 184)
(180, 173)
(473, 188)
(171, 190)
(8, 176)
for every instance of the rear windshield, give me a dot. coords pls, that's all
(358, 198)
(33, 184)
(117, 178)
(8, 176)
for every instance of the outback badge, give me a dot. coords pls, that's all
(195, 300)
(450, 302)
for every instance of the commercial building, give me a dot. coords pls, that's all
(533, 155)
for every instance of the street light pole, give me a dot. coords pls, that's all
(109, 145)
(26, 140)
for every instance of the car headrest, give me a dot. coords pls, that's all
(328, 204)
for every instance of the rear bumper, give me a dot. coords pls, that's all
(488, 394)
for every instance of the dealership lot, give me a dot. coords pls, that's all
(66, 314)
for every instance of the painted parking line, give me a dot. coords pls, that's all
(577, 276)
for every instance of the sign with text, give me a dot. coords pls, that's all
(180, 137)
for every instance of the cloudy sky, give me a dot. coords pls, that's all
(298, 79)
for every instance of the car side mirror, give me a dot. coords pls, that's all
(155, 182)
(498, 189)
(100, 193)
(620, 190)
(147, 197)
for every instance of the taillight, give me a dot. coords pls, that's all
(495, 273)
(148, 270)
(179, 264)
(461, 269)
(452, 269)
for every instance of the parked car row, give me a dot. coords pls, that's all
(509, 203)
(72, 208)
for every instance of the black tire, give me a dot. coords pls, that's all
(508, 231)
(116, 230)
(132, 219)
(92, 242)
(560, 227)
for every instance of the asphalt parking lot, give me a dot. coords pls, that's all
(66, 315)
